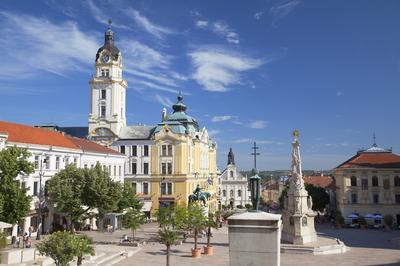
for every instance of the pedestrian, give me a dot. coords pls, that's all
(30, 229)
(25, 237)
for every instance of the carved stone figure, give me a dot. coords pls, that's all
(199, 195)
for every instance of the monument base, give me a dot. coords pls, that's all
(299, 228)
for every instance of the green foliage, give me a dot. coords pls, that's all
(248, 206)
(319, 197)
(211, 223)
(77, 191)
(128, 198)
(134, 218)
(195, 220)
(13, 162)
(82, 245)
(59, 246)
(239, 206)
(388, 220)
(282, 198)
(3, 240)
(226, 214)
(168, 237)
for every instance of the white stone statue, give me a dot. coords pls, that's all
(297, 177)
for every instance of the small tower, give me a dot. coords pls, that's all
(108, 88)
(231, 157)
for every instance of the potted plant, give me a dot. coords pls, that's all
(211, 223)
(168, 237)
(195, 221)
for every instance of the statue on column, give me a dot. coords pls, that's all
(297, 176)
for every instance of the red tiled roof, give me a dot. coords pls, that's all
(32, 135)
(320, 181)
(372, 160)
(27, 134)
(90, 146)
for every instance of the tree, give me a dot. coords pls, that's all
(59, 246)
(319, 197)
(83, 245)
(128, 198)
(13, 162)
(134, 218)
(168, 237)
(211, 223)
(195, 220)
(77, 191)
(282, 198)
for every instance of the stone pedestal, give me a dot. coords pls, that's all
(254, 239)
(298, 218)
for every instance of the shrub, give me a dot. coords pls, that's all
(248, 206)
(239, 206)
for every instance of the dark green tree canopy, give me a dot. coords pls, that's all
(14, 203)
(319, 197)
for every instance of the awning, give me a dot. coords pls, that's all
(5, 225)
(146, 206)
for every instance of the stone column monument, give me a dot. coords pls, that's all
(298, 216)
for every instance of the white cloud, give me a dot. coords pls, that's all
(217, 69)
(36, 44)
(258, 15)
(258, 124)
(221, 28)
(248, 140)
(339, 93)
(164, 101)
(282, 9)
(221, 118)
(100, 17)
(242, 140)
(213, 132)
(147, 25)
(202, 24)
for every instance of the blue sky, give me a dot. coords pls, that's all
(250, 70)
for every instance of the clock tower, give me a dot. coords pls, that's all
(107, 93)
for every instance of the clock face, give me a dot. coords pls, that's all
(105, 58)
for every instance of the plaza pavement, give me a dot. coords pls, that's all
(367, 247)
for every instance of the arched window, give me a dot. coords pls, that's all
(397, 181)
(231, 193)
(239, 193)
(231, 174)
(224, 193)
(375, 182)
(353, 181)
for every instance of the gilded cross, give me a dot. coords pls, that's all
(255, 153)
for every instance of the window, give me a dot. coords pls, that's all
(57, 162)
(35, 188)
(398, 198)
(364, 184)
(115, 170)
(386, 183)
(85, 166)
(134, 168)
(231, 173)
(109, 169)
(166, 150)
(105, 72)
(146, 168)
(166, 168)
(375, 182)
(224, 193)
(23, 185)
(239, 193)
(145, 188)
(119, 170)
(397, 181)
(169, 167)
(134, 188)
(376, 198)
(231, 193)
(166, 188)
(103, 94)
(47, 162)
(36, 162)
(353, 181)
(103, 110)
(134, 150)
(353, 198)
(122, 149)
(146, 150)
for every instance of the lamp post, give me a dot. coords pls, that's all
(38, 233)
(255, 182)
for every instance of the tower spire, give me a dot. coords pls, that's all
(109, 35)
(374, 137)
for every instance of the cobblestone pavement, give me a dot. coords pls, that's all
(367, 247)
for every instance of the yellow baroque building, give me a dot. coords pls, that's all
(182, 157)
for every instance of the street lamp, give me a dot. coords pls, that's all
(255, 190)
(38, 234)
